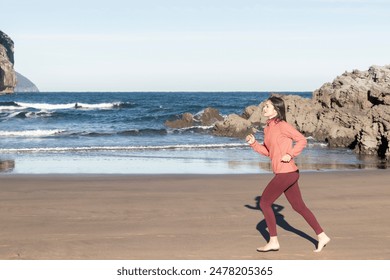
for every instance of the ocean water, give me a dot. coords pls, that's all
(124, 133)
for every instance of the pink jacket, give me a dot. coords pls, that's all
(278, 141)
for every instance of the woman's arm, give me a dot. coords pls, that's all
(297, 137)
(256, 146)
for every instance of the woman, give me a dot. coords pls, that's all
(278, 145)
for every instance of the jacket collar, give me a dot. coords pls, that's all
(272, 121)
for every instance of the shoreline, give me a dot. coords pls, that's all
(188, 216)
(171, 164)
(263, 170)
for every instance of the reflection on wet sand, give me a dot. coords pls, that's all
(86, 165)
(7, 165)
(308, 166)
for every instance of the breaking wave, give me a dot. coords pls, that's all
(124, 148)
(31, 133)
(9, 106)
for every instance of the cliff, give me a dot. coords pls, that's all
(7, 72)
(24, 84)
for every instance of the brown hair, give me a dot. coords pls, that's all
(279, 106)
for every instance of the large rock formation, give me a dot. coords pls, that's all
(358, 103)
(7, 72)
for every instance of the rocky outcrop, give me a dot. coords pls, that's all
(187, 120)
(207, 117)
(7, 72)
(358, 104)
(234, 126)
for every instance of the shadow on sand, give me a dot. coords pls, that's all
(280, 221)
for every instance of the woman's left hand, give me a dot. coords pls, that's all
(286, 158)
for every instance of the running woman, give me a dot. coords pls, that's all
(278, 146)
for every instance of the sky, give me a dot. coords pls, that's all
(194, 45)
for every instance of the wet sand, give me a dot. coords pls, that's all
(100, 217)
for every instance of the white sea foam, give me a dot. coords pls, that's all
(77, 105)
(199, 114)
(98, 106)
(11, 108)
(14, 114)
(46, 106)
(318, 144)
(30, 133)
(124, 148)
(204, 127)
(42, 113)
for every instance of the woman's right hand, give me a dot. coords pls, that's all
(250, 139)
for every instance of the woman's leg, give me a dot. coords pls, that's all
(274, 189)
(294, 196)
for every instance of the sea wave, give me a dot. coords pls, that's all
(124, 148)
(24, 114)
(124, 133)
(62, 133)
(9, 106)
(31, 133)
(145, 131)
(196, 128)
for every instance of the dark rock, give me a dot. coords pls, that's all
(187, 120)
(208, 117)
(233, 126)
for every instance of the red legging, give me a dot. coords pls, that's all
(287, 183)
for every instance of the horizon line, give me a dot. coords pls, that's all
(175, 91)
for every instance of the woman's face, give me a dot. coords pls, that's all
(269, 110)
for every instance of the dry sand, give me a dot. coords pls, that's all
(99, 217)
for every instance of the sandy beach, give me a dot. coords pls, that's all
(100, 217)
